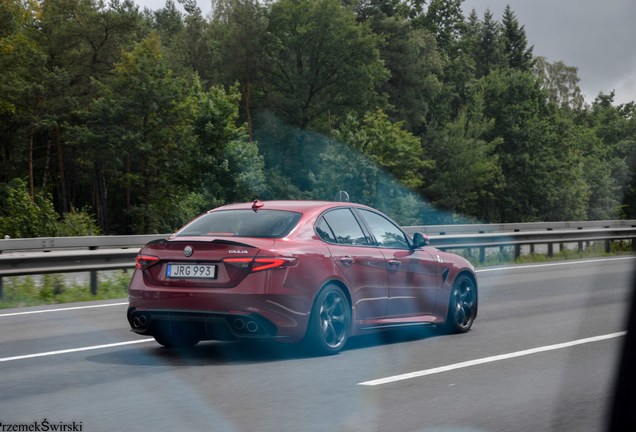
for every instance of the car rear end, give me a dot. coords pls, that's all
(211, 281)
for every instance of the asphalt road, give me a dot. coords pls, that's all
(540, 357)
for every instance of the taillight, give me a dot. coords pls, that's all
(260, 264)
(144, 261)
(269, 263)
(242, 263)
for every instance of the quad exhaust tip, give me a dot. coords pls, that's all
(140, 321)
(241, 325)
(251, 326)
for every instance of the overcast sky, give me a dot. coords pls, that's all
(596, 36)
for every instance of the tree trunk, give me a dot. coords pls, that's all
(31, 182)
(128, 196)
(100, 199)
(47, 163)
(248, 109)
(64, 204)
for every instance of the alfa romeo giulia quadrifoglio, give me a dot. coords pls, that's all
(313, 272)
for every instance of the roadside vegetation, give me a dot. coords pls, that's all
(21, 291)
(133, 121)
(505, 255)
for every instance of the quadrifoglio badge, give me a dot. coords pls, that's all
(44, 425)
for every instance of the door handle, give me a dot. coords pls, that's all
(394, 264)
(346, 261)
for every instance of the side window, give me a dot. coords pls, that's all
(385, 232)
(345, 227)
(324, 231)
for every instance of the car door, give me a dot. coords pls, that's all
(414, 279)
(362, 265)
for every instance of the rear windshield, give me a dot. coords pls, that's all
(242, 223)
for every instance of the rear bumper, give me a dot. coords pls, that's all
(260, 307)
(219, 315)
(206, 325)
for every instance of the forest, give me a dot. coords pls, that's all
(118, 120)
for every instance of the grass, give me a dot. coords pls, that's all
(505, 255)
(24, 291)
(21, 291)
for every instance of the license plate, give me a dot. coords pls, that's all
(191, 271)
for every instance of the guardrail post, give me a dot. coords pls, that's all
(517, 251)
(608, 246)
(550, 250)
(93, 277)
(2, 293)
(482, 254)
(93, 282)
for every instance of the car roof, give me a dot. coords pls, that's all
(290, 205)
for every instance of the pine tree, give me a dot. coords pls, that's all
(516, 50)
(489, 52)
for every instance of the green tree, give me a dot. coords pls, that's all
(241, 28)
(139, 140)
(77, 223)
(81, 40)
(404, 10)
(381, 147)
(541, 163)
(22, 63)
(229, 167)
(614, 154)
(466, 177)
(194, 48)
(489, 54)
(516, 50)
(377, 162)
(604, 175)
(561, 82)
(563, 191)
(168, 22)
(459, 72)
(445, 20)
(410, 54)
(24, 217)
(346, 168)
(322, 63)
(391, 147)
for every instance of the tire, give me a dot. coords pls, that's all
(462, 306)
(329, 322)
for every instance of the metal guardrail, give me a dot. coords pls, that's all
(486, 236)
(96, 253)
(43, 255)
(517, 227)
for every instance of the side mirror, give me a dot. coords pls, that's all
(420, 240)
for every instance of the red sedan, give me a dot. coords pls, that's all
(315, 272)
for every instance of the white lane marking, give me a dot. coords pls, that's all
(73, 350)
(554, 264)
(490, 359)
(62, 309)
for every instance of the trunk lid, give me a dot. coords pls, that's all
(199, 262)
